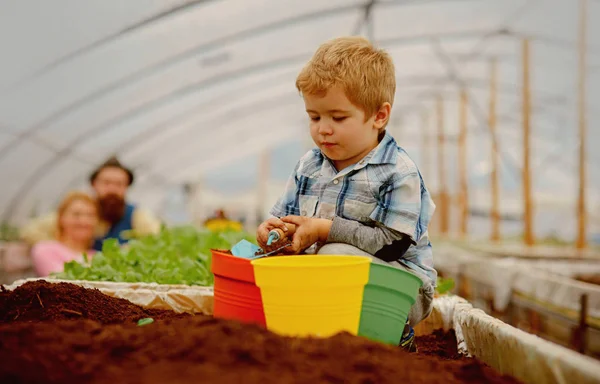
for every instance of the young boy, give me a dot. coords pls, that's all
(357, 193)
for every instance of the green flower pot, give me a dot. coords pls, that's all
(388, 297)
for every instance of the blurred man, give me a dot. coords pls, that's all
(118, 217)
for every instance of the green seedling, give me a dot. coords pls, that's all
(147, 320)
(444, 285)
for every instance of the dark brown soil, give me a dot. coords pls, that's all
(203, 349)
(42, 301)
(589, 278)
(441, 344)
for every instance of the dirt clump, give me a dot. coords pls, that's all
(441, 344)
(44, 301)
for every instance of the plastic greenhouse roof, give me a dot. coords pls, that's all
(180, 88)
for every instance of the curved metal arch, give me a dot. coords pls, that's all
(250, 110)
(167, 62)
(143, 135)
(153, 175)
(105, 40)
(170, 60)
(146, 135)
(194, 149)
(280, 62)
(158, 17)
(241, 130)
(156, 179)
(276, 98)
(156, 176)
(486, 33)
(141, 144)
(182, 174)
(32, 180)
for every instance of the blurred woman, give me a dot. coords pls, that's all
(78, 215)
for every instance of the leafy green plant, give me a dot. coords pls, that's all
(179, 255)
(444, 285)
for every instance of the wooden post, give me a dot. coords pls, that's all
(495, 212)
(579, 334)
(441, 167)
(462, 165)
(527, 201)
(583, 314)
(535, 322)
(581, 204)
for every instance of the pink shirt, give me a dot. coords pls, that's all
(50, 256)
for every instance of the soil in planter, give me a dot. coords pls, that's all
(441, 344)
(43, 301)
(199, 348)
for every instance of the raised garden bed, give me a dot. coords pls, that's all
(62, 333)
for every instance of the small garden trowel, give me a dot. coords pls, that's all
(247, 250)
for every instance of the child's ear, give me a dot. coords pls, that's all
(383, 115)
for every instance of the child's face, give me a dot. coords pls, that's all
(340, 129)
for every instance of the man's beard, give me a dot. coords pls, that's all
(112, 208)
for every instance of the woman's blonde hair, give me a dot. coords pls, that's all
(70, 199)
(365, 73)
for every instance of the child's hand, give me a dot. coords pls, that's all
(309, 230)
(262, 234)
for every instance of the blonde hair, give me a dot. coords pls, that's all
(365, 73)
(70, 199)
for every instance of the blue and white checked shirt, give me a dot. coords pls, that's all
(385, 188)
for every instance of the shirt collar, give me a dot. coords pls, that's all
(386, 152)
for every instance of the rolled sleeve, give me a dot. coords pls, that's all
(399, 206)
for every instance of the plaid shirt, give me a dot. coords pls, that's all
(383, 189)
